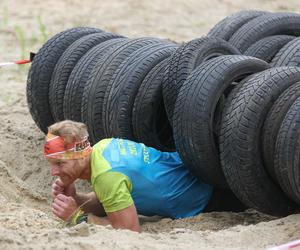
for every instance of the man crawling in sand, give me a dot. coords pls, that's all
(128, 179)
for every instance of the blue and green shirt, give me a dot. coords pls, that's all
(157, 183)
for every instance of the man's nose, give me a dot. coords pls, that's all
(54, 170)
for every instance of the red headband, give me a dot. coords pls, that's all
(56, 147)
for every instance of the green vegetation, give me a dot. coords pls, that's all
(20, 34)
(284, 8)
(18, 199)
(24, 41)
(5, 18)
(42, 28)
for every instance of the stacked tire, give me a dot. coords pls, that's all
(82, 71)
(111, 83)
(228, 102)
(230, 125)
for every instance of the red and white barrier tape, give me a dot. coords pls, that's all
(288, 246)
(18, 62)
(13, 63)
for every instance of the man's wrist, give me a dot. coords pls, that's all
(80, 198)
(82, 218)
(78, 217)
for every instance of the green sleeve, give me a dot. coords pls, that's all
(113, 191)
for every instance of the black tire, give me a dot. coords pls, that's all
(185, 59)
(273, 122)
(149, 118)
(289, 55)
(268, 47)
(230, 24)
(287, 156)
(79, 76)
(95, 88)
(124, 86)
(64, 67)
(240, 140)
(263, 26)
(198, 110)
(224, 200)
(41, 70)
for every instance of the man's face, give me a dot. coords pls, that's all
(67, 170)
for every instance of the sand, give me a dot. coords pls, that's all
(26, 221)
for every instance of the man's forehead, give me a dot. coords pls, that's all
(53, 160)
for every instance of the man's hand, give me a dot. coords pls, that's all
(64, 206)
(59, 188)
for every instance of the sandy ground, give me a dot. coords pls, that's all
(25, 218)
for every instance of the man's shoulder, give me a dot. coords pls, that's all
(99, 163)
(113, 191)
(102, 144)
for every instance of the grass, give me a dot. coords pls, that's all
(18, 200)
(36, 38)
(284, 8)
(82, 21)
(5, 18)
(7, 99)
(21, 38)
(42, 29)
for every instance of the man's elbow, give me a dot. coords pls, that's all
(126, 218)
(128, 225)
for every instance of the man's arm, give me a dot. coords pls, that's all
(124, 219)
(113, 191)
(91, 203)
(113, 188)
(90, 200)
(65, 206)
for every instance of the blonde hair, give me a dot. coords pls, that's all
(71, 131)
